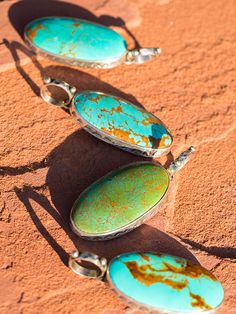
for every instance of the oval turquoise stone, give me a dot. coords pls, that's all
(76, 39)
(119, 198)
(165, 283)
(122, 120)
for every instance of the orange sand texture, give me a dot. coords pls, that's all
(47, 160)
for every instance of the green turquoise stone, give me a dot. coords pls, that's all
(119, 198)
(75, 39)
(165, 283)
(122, 120)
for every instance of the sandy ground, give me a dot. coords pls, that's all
(47, 160)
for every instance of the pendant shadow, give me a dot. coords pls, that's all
(72, 166)
(80, 159)
(74, 77)
(22, 12)
(143, 239)
(81, 80)
(14, 47)
(84, 81)
(76, 163)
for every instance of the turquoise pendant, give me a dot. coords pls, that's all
(114, 120)
(123, 199)
(82, 43)
(120, 201)
(165, 283)
(156, 282)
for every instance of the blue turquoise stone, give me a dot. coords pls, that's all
(76, 39)
(122, 120)
(165, 283)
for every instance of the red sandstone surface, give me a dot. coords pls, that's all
(47, 160)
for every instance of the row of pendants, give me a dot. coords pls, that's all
(127, 196)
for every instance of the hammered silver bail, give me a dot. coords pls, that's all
(64, 103)
(141, 55)
(180, 161)
(76, 258)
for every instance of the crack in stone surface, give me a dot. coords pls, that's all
(15, 171)
(219, 138)
(222, 252)
(40, 122)
(103, 4)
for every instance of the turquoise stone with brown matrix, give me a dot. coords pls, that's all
(82, 43)
(123, 199)
(122, 120)
(113, 119)
(74, 38)
(119, 198)
(165, 284)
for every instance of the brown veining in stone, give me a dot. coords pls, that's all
(191, 270)
(117, 109)
(97, 98)
(113, 203)
(70, 50)
(121, 134)
(113, 110)
(31, 33)
(149, 278)
(125, 135)
(145, 257)
(150, 120)
(144, 139)
(76, 24)
(199, 302)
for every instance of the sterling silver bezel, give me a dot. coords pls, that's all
(127, 228)
(110, 139)
(99, 64)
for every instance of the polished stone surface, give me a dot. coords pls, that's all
(75, 39)
(120, 198)
(165, 282)
(122, 120)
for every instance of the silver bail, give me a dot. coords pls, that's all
(77, 257)
(180, 161)
(141, 55)
(64, 103)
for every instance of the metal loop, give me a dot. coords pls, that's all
(141, 55)
(70, 90)
(180, 161)
(100, 262)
